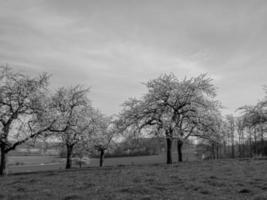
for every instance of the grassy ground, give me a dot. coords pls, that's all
(229, 179)
(44, 163)
(31, 160)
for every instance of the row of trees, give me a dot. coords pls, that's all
(176, 110)
(249, 130)
(183, 109)
(30, 111)
(171, 108)
(243, 135)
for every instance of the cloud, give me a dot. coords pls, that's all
(114, 46)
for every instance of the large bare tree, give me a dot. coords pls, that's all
(170, 108)
(23, 110)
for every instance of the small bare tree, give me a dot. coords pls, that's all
(104, 131)
(73, 111)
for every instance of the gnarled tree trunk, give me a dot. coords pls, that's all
(3, 160)
(101, 157)
(179, 150)
(169, 150)
(69, 154)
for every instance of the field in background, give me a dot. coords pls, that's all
(221, 179)
(44, 163)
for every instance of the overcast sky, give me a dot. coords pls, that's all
(113, 46)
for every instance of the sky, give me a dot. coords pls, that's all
(115, 46)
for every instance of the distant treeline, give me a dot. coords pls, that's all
(248, 149)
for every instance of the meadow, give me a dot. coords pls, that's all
(220, 179)
(19, 164)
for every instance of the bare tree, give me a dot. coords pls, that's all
(73, 111)
(23, 110)
(105, 129)
(169, 107)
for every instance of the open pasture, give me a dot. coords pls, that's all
(221, 179)
(43, 163)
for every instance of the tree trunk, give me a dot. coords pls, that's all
(80, 162)
(233, 146)
(255, 143)
(217, 151)
(243, 144)
(69, 154)
(262, 140)
(179, 150)
(3, 160)
(233, 150)
(213, 150)
(250, 147)
(169, 150)
(101, 157)
(239, 145)
(224, 149)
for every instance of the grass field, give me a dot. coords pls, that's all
(223, 179)
(42, 163)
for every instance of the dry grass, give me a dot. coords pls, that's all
(229, 179)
